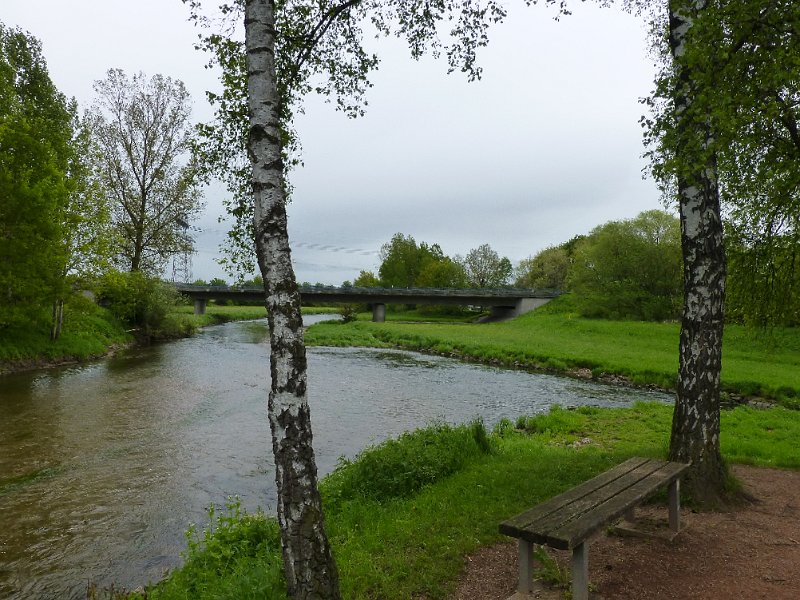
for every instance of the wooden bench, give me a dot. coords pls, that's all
(568, 520)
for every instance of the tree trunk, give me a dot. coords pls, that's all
(58, 319)
(309, 566)
(696, 419)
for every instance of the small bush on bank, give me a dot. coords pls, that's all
(137, 299)
(349, 312)
(400, 467)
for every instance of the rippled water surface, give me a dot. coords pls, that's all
(103, 466)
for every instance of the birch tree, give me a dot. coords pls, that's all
(308, 563)
(286, 43)
(731, 78)
(696, 420)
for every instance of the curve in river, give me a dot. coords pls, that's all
(103, 466)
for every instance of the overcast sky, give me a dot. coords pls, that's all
(545, 147)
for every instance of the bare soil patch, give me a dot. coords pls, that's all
(749, 552)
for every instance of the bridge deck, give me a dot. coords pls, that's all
(506, 302)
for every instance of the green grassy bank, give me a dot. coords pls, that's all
(402, 516)
(755, 362)
(88, 332)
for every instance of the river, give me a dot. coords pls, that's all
(104, 465)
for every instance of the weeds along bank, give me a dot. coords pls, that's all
(756, 363)
(403, 514)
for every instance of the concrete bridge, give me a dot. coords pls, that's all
(504, 303)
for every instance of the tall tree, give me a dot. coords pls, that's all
(308, 563)
(36, 129)
(547, 269)
(405, 264)
(696, 420)
(143, 133)
(724, 86)
(485, 268)
(286, 43)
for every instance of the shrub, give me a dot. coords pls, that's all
(237, 555)
(401, 467)
(136, 299)
(348, 312)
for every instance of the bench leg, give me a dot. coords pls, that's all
(525, 567)
(580, 572)
(675, 505)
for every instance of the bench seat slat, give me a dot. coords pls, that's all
(515, 525)
(578, 530)
(566, 520)
(570, 511)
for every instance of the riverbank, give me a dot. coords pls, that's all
(89, 332)
(757, 364)
(92, 333)
(403, 516)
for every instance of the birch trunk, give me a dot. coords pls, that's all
(308, 562)
(696, 419)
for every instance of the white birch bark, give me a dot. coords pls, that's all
(308, 563)
(696, 420)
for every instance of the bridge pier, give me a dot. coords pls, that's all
(378, 312)
(200, 306)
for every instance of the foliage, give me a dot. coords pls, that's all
(366, 279)
(237, 556)
(546, 270)
(484, 268)
(89, 331)
(348, 312)
(36, 130)
(90, 238)
(764, 270)
(745, 56)
(142, 134)
(629, 269)
(401, 467)
(137, 299)
(406, 264)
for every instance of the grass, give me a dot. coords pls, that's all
(215, 315)
(88, 331)
(755, 362)
(400, 524)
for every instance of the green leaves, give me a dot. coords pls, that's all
(320, 49)
(36, 128)
(744, 57)
(629, 269)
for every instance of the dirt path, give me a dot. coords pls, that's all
(749, 553)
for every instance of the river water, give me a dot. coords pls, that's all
(103, 466)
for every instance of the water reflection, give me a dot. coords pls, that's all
(103, 466)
